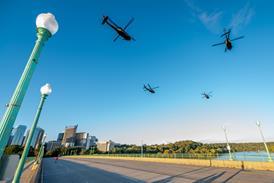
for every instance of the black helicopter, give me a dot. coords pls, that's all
(206, 95)
(120, 31)
(150, 89)
(227, 41)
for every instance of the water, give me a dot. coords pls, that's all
(260, 156)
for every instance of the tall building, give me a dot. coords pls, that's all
(92, 140)
(37, 137)
(69, 136)
(18, 135)
(106, 146)
(11, 137)
(81, 139)
(60, 137)
(52, 145)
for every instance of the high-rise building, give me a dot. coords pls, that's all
(69, 136)
(52, 145)
(106, 146)
(37, 137)
(60, 137)
(92, 140)
(18, 135)
(81, 139)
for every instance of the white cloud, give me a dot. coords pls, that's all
(211, 20)
(242, 18)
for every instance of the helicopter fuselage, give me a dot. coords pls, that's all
(120, 31)
(228, 44)
(149, 89)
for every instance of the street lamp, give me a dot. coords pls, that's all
(227, 144)
(46, 27)
(45, 91)
(266, 148)
(41, 151)
(142, 149)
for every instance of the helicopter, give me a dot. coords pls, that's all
(227, 41)
(120, 31)
(150, 89)
(206, 95)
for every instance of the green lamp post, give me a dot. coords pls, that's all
(46, 27)
(41, 151)
(142, 149)
(45, 91)
(266, 148)
(227, 144)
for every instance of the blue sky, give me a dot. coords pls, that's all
(97, 83)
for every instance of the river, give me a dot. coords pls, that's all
(247, 156)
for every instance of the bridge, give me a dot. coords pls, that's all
(88, 170)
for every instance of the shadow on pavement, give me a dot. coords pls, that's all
(210, 178)
(72, 172)
(231, 177)
(144, 169)
(169, 179)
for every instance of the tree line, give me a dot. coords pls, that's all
(179, 147)
(186, 146)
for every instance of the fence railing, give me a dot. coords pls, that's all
(236, 156)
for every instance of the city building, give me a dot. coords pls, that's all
(72, 138)
(17, 136)
(92, 140)
(10, 138)
(106, 146)
(69, 137)
(37, 137)
(60, 137)
(81, 139)
(52, 145)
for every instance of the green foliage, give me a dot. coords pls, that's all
(193, 149)
(16, 149)
(13, 149)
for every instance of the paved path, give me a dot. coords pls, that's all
(119, 171)
(27, 173)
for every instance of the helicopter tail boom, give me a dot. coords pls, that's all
(105, 19)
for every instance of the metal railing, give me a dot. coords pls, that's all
(242, 156)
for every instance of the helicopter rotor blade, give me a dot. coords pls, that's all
(155, 87)
(112, 22)
(218, 44)
(116, 38)
(241, 37)
(130, 21)
(226, 32)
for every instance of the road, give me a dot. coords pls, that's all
(122, 171)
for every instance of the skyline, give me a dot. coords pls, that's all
(97, 84)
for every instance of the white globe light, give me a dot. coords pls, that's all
(46, 89)
(47, 21)
(258, 123)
